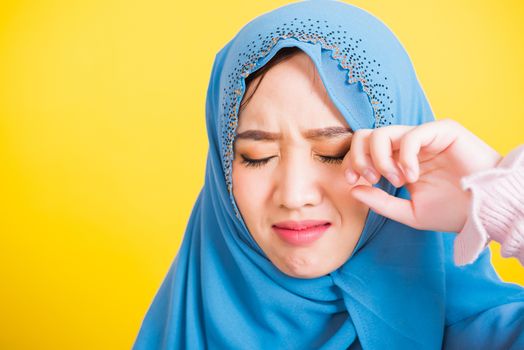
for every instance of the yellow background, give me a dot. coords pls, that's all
(103, 141)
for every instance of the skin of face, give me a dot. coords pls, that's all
(296, 184)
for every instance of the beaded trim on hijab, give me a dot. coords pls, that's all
(344, 49)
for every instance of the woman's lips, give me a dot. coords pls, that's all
(301, 232)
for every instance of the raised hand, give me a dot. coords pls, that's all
(430, 159)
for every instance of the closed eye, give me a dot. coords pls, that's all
(260, 162)
(254, 162)
(332, 160)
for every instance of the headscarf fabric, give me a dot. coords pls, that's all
(399, 289)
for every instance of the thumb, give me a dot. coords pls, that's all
(383, 203)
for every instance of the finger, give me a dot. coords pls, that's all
(432, 137)
(359, 160)
(357, 150)
(381, 150)
(383, 203)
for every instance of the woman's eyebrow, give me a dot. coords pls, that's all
(311, 134)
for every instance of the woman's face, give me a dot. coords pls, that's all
(303, 178)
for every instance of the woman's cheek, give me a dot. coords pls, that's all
(340, 192)
(250, 187)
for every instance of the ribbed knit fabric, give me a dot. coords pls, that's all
(496, 210)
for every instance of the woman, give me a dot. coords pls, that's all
(281, 252)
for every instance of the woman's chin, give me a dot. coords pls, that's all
(305, 267)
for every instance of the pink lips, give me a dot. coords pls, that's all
(301, 232)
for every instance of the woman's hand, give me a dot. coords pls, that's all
(430, 159)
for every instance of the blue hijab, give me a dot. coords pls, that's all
(400, 288)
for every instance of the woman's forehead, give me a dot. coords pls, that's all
(290, 94)
(308, 124)
(296, 78)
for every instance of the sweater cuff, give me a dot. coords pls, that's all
(496, 210)
(513, 245)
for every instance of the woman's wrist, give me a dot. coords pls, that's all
(497, 202)
(471, 181)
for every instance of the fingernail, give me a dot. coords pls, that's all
(351, 176)
(370, 175)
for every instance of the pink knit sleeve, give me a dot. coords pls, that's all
(496, 210)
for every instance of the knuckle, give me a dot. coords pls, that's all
(410, 139)
(378, 134)
(383, 167)
(451, 122)
(361, 133)
(405, 146)
(406, 139)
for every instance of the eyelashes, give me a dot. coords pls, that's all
(255, 163)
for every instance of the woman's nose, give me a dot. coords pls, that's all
(297, 184)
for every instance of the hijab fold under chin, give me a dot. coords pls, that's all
(400, 287)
